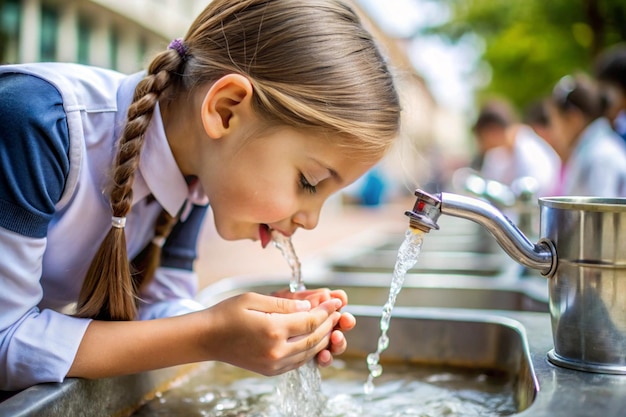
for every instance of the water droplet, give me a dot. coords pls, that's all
(373, 358)
(368, 388)
(376, 371)
(383, 342)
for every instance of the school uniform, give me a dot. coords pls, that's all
(59, 124)
(597, 166)
(530, 156)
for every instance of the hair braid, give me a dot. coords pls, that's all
(146, 263)
(108, 291)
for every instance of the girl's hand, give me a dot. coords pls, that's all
(346, 322)
(271, 335)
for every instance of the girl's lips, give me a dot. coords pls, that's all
(265, 235)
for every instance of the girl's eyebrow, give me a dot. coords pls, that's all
(332, 172)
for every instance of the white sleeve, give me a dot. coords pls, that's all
(35, 346)
(170, 293)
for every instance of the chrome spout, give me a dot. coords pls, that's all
(427, 209)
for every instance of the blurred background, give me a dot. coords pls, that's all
(449, 56)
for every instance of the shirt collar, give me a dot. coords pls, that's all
(158, 173)
(159, 169)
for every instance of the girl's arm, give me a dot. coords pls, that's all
(35, 346)
(264, 334)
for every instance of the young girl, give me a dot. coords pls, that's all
(264, 109)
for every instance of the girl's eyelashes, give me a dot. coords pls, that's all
(306, 185)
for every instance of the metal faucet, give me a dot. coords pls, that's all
(587, 280)
(427, 209)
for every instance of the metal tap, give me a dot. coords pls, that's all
(427, 209)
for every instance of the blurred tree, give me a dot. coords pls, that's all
(3, 35)
(530, 44)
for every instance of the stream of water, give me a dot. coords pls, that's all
(300, 390)
(408, 254)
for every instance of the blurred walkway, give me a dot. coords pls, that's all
(340, 228)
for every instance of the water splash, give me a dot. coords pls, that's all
(408, 254)
(299, 390)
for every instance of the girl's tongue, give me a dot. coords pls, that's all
(265, 235)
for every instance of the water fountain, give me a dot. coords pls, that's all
(583, 255)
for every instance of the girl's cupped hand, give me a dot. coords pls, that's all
(273, 334)
(346, 321)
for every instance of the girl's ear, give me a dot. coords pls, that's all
(226, 104)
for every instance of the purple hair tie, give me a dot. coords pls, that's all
(179, 46)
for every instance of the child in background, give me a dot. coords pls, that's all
(593, 155)
(517, 151)
(264, 109)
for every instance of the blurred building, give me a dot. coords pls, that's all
(124, 35)
(117, 34)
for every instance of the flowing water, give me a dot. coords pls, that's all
(405, 390)
(408, 255)
(299, 391)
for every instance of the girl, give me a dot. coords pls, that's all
(593, 155)
(264, 109)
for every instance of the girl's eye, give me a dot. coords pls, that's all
(304, 183)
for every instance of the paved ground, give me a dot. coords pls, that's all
(340, 228)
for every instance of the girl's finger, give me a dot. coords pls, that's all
(338, 343)
(307, 323)
(346, 322)
(278, 305)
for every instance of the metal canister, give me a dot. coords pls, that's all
(588, 289)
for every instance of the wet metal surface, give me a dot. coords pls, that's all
(514, 341)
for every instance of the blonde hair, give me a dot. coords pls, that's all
(312, 66)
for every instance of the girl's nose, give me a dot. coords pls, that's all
(307, 218)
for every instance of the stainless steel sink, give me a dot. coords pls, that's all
(418, 290)
(435, 243)
(490, 352)
(515, 342)
(486, 264)
(451, 338)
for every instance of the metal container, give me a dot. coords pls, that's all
(582, 252)
(588, 289)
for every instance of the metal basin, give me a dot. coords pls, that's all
(515, 342)
(427, 337)
(454, 235)
(490, 350)
(436, 243)
(485, 264)
(418, 290)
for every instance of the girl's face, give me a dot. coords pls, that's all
(564, 128)
(277, 180)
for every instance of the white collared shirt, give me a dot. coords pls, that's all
(597, 166)
(41, 276)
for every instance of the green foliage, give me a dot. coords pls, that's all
(530, 44)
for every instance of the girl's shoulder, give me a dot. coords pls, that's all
(34, 150)
(82, 87)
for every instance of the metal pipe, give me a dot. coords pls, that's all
(540, 256)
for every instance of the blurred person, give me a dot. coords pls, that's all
(610, 71)
(536, 116)
(493, 119)
(593, 155)
(516, 151)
